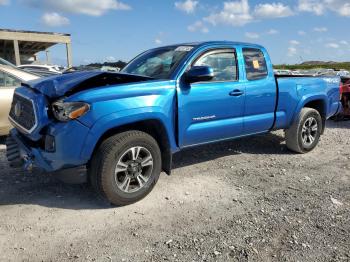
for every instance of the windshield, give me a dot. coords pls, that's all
(157, 63)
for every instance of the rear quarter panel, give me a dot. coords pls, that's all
(296, 92)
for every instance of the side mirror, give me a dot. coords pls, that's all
(199, 73)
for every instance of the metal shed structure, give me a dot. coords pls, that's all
(18, 46)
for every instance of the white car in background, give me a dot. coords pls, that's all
(10, 78)
(43, 70)
(343, 73)
(282, 72)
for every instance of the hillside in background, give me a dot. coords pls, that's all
(316, 64)
(120, 64)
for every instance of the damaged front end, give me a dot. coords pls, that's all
(48, 133)
(70, 83)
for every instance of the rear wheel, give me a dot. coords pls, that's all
(126, 167)
(304, 134)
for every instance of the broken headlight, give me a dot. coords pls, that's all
(65, 111)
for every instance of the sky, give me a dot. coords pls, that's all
(109, 30)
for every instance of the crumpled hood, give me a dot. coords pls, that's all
(67, 84)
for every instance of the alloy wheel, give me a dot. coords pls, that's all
(134, 169)
(309, 131)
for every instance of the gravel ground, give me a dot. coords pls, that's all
(245, 200)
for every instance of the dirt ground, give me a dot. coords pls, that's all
(245, 200)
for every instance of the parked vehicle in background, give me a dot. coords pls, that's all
(43, 70)
(110, 69)
(345, 97)
(343, 73)
(324, 71)
(124, 127)
(10, 78)
(282, 72)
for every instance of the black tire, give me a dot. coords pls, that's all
(294, 135)
(104, 163)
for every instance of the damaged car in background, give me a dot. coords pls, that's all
(10, 78)
(124, 127)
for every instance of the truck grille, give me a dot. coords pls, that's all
(23, 113)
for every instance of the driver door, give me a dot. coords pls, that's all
(212, 110)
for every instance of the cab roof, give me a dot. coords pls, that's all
(209, 43)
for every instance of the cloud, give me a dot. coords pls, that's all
(332, 45)
(188, 6)
(294, 42)
(239, 13)
(314, 6)
(274, 10)
(272, 32)
(198, 26)
(158, 41)
(301, 32)
(342, 7)
(319, 7)
(110, 59)
(345, 10)
(54, 19)
(252, 35)
(4, 2)
(344, 42)
(321, 29)
(159, 38)
(292, 51)
(91, 7)
(234, 14)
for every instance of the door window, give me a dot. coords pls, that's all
(255, 64)
(224, 65)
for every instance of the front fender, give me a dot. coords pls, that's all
(118, 119)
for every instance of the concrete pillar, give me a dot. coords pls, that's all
(17, 56)
(69, 55)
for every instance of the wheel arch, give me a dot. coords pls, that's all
(320, 106)
(152, 126)
(319, 103)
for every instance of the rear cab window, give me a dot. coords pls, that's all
(255, 64)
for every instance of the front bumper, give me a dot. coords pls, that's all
(69, 140)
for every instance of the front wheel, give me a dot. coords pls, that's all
(304, 134)
(126, 167)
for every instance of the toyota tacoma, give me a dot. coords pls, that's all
(124, 127)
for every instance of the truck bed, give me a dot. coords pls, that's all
(292, 89)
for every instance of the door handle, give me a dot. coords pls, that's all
(236, 92)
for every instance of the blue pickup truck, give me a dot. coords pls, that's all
(124, 127)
